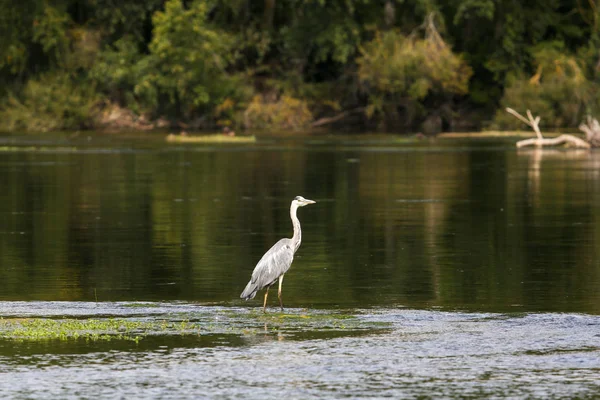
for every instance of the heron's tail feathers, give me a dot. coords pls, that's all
(250, 291)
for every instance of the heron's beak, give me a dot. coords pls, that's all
(307, 201)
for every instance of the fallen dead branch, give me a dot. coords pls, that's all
(335, 118)
(562, 139)
(539, 139)
(592, 131)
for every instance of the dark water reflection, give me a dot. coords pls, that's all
(472, 227)
(466, 269)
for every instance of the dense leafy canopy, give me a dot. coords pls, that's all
(389, 64)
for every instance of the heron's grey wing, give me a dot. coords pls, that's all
(272, 265)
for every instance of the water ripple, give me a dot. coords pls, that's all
(451, 354)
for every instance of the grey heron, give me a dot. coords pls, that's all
(276, 262)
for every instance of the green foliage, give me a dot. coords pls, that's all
(559, 91)
(203, 61)
(84, 49)
(284, 113)
(396, 69)
(50, 31)
(16, 22)
(119, 18)
(186, 69)
(53, 102)
(497, 38)
(324, 30)
(185, 73)
(116, 71)
(470, 9)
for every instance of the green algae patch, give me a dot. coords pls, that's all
(38, 329)
(141, 305)
(297, 325)
(304, 325)
(215, 138)
(33, 149)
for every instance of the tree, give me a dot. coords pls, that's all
(400, 72)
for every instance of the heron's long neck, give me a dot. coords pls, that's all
(297, 238)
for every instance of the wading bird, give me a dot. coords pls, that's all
(275, 263)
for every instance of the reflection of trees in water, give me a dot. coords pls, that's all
(559, 225)
(481, 243)
(448, 228)
(407, 198)
(564, 157)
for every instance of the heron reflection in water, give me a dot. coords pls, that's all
(276, 262)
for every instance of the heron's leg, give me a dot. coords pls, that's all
(279, 292)
(265, 304)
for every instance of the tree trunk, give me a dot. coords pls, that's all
(389, 14)
(268, 14)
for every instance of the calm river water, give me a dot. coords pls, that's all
(465, 268)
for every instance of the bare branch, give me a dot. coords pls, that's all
(335, 118)
(539, 139)
(592, 131)
(587, 130)
(519, 116)
(562, 139)
(534, 124)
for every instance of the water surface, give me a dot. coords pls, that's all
(467, 268)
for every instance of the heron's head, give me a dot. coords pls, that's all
(301, 201)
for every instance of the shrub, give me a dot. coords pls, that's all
(185, 71)
(116, 71)
(52, 102)
(402, 71)
(558, 92)
(283, 113)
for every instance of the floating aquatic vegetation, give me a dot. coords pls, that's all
(295, 325)
(29, 149)
(217, 138)
(36, 329)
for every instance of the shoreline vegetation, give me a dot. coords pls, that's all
(295, 66)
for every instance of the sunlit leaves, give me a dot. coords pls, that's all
(183, 59)
(558, 91)
(50, 31)
(117, 70)
(52, 102)
(411, 69)
(284, 113)
(187, 58)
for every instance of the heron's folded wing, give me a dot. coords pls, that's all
(273, 264)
